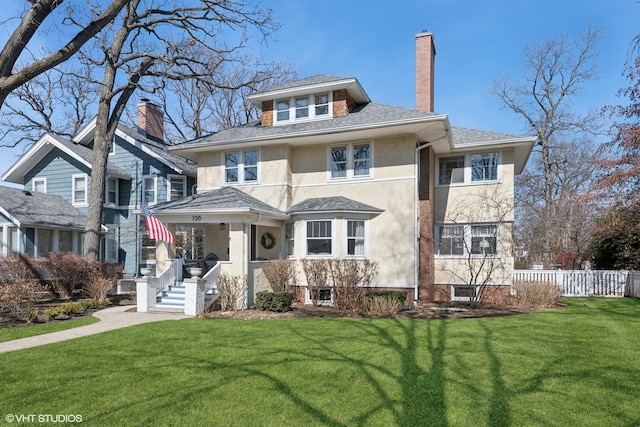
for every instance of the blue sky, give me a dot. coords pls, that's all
(476, 42)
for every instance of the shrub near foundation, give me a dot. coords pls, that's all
(536, 294)
(274, 301)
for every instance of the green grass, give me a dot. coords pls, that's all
(576, 366)
(10, 334)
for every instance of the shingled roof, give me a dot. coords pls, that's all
(332, 204)
(39, 209)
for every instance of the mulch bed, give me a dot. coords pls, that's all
(420, 311)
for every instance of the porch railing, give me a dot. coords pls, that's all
(212, 279)
(169, 276)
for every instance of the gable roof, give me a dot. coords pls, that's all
(26, 208)
(332, 204)
(47, 143)
(221, 200)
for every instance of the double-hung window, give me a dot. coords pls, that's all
(302, 107)
(356, 238)
(467, 239)
(484, 239)
(484, 167)
(111, 192)
(149, 190)
(177, 187)
(282, 110)
(319, 238)
(289, 238)
(79, 189)
(241, 166)
(450, 240)
(350, 161)
(469, 168)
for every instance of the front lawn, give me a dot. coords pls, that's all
(14, 333)
(577, 365)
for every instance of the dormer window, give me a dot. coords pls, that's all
(300, 108)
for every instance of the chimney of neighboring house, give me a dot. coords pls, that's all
(151, 119)
(425, 57)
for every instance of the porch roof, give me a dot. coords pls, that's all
(332, 204)
(226, 200)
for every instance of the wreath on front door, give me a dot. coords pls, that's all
(267, 240)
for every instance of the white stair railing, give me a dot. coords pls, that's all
(169, 276)
(212, 279)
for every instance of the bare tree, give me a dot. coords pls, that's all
(59, 101)
(197, 107)
(30, 22)
(477, 232)
(556, 71)
(152, 42)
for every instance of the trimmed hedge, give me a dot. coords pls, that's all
(401, 296)
(274, 301)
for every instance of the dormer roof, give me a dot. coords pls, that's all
(313, 84)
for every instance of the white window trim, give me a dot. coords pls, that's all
(467, 240)
(85, 202)
(345, 238)
(184, 185)
(112, 151)
(241, 180)
(311, 106)
(155, 189)
(333, 237)
(467, 169)
(453, 292)
(308, 300)
(39, 179)
(285, 246)
(106, 192)
(350, 162)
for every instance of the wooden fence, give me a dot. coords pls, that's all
(580, 283)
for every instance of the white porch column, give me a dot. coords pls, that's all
(194, 296)
(145, 293)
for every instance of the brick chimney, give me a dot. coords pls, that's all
(425, 59)
(151, 119)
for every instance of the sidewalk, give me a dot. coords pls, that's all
(110, 319)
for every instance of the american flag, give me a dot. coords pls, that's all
(155, 228)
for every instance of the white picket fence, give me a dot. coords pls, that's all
(580, 283)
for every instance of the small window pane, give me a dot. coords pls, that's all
(361, 159)
(177, 185)
(451, 240)
(319, 238)
(339, 162)
(484, 239)
(322, 104)
(282, 108)
(355, 238)
(250, 159)
(289, 236)
(79, 189)
(484, 167)
(231, 167)
(302, 108)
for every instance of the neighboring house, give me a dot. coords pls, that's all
(139, 170)
(327, 173)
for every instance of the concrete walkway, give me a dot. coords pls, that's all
(110, 319)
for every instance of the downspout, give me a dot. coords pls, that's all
(247, 251)
(416, 210)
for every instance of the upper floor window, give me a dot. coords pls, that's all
(350, 160)
(484, 167)
(39, 185)
(308, 107)
(177, 187)
(241, 166)
(79, 189)
(463, 169)
(149, 190)
(111, 191)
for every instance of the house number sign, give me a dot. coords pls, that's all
(196, 218)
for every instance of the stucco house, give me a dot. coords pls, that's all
(327, 172)
(49, 212)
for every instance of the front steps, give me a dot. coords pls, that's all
(172, 300)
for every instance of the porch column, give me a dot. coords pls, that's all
(194, 296)
(145, 294)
